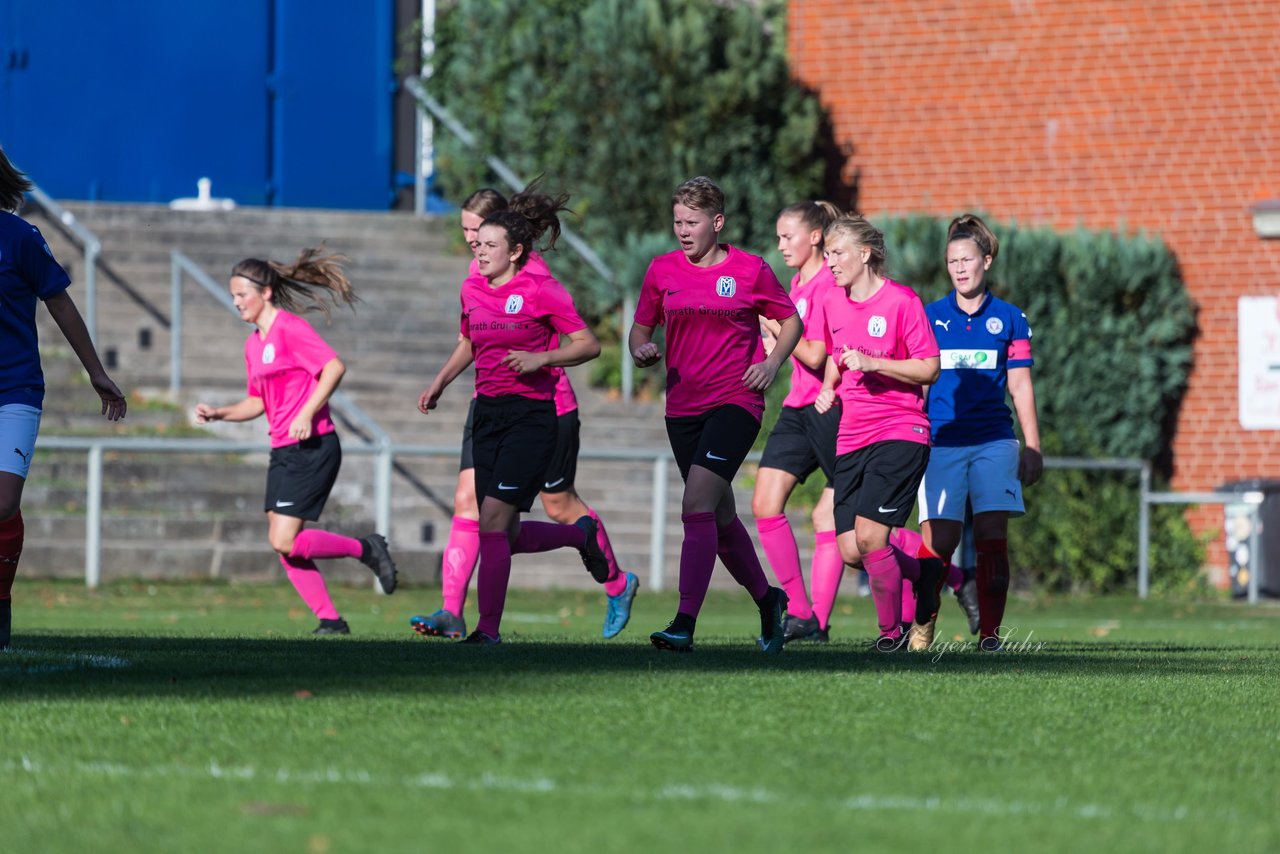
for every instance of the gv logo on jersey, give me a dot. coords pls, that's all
(726, 286)
(268, 354)
(877, 326)
(995, 325)
(515, 302)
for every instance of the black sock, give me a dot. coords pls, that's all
(683, 623)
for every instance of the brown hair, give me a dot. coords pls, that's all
(971, 227)
(814, 215)
(530, 215)
(485, 201)
(311, 283)
(860, 232)
(701, 194)
(12, 184)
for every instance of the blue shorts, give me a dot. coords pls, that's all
(986, 476)
(19, 424)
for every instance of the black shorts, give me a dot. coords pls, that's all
(468, 460)
(718, 440)
(879, 482)
(300, 476)
(563, 467)
(802, 441)
(513, 439)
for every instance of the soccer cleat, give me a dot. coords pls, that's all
(332, 627)
(441, 624)
(889, 643)
(674, 638)
(772, 610)
(6, 622)
(990, 644)
(593, 557)
(618, 613)
(796, 629)
(375, 555)
(821, 636)
(926, 589)
(920, 637)
(481, 639)
(967, 597)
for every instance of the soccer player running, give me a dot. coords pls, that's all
(511, 315)
(292, 373)
(803, 440)
(986, 349)
(881, 356)
(30, 275)
(710, 296)
(559, 494)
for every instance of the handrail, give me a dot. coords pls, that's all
(506, 173)
(339, 402)
(92, 249)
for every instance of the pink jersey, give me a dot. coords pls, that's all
(890, 325)
(807, 296)
(283, 369)
(712, 316)
(566, 400)
(528, 313)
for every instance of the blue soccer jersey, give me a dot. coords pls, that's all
(967, 404)
(28, 274)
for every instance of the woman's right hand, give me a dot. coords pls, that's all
(646, 354)
(826, 399)
(206, 413)
(428, 399)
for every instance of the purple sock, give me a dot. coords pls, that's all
(697, 560)
(495, 573)
(908, 563)
(738, 553)
(305, 577)
(779, 544)
(545, 536)
(955, 576)
(885, 577)
(459, 562)
(313, 544)
(827, 572)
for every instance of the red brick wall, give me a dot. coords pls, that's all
(1160, 115)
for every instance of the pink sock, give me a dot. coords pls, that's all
(305, 577)
(738, 553)
(313, 544)
(544, 537)
(885, 577)
(617, 581)
(827, 572)
(697, 560)
(495, 573)
(779, 544)
(459, 561)
(955, 577)
(908, 601)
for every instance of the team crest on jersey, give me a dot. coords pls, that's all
(515, 302)
(995, 325)
(726, 286)
(802, 307)
(268, 354)
(877, 326)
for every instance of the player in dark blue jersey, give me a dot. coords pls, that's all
(985, 346)
(29, 274)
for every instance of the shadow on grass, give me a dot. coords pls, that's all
(44, 667)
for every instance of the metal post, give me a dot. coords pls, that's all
(1255, 548)
(91, 250)
(382, 493)
(658, 523)
(628, 367)
(93, 520)
(175, 327)
(1144, 531)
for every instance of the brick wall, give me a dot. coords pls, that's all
(1160, 115)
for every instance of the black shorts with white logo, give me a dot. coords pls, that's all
(879, 482)
(513, 439)
(718, 440)
(300, 476)
(803, 440)
(563, 467)
(468, 460)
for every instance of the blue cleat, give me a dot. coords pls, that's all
(619, 611)
(773, 609)
(673, 639)
(441, 624)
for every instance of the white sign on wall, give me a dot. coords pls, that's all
(1259, 363)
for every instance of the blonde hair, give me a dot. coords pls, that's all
(701, 194)
(971, 227)
(312, 283)
(814, 215)
(857, 230)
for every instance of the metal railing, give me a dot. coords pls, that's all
(1252, 498)
(427, 104)
(92, 249)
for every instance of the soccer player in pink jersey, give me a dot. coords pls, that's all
(511, 317)
(710, 297)
(986, 348)
(881, 356)
(803, 440)
(29, 275)
(560, 499)
(292, 373)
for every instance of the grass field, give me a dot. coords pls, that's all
(204, 718)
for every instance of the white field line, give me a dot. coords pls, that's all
(878, 802)
(16, 661)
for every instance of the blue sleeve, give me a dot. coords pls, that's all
(37, 267)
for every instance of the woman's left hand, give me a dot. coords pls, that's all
(113, 403)
(760, 375)
(300, 429)
(1030, 466)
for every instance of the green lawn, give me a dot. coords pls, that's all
(204, 718)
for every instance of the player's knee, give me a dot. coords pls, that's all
(9, 509)
(558, 506)
(763, 506)
(282, 543)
